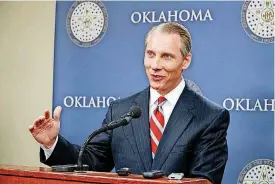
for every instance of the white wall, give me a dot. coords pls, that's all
(26, 76)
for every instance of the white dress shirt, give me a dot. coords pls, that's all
(171, 100)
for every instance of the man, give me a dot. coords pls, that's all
(178, 131)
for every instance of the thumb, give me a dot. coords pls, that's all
(56, 113)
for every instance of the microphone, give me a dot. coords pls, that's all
(134, 113)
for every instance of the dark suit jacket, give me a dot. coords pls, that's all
(193, 142)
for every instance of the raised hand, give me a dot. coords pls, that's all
(45, 128)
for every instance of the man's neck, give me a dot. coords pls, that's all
(165, 92)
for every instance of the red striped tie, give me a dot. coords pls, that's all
(157, 125)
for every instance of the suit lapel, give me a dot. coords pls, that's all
(141, 130)
(178, 122)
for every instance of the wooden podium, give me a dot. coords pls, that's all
(11, 174)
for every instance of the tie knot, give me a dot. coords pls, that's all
(161, 100)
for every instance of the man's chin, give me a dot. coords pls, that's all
(155, 87)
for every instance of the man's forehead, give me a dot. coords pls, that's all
(163, 42)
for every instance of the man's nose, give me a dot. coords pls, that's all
(156, 65)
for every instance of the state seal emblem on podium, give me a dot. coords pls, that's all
(87, 22)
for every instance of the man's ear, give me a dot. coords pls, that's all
(187, 61)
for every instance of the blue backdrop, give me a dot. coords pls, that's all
(230, 64)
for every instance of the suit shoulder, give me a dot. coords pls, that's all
(207, 111)
(207, 106)
(123, 105)
(127, 100)
(209, 103)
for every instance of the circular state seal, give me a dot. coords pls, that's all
(258, 172)
(87, 22)
(258, 20)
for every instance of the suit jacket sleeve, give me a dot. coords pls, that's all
(211, 153)
(98, 154)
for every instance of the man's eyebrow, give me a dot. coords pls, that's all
(149, 50)
(168, 53)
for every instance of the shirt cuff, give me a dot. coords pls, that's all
(49, 151)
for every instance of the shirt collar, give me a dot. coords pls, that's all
(172, 97)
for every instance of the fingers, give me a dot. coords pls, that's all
(47, 114)
(39, 121)
(56, 113)
(42, 120)
(31, 128)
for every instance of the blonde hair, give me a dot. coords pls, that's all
(173, 28)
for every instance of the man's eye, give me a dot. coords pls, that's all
(150, 54)
(167, 56)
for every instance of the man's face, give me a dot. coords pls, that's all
(163, 61)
